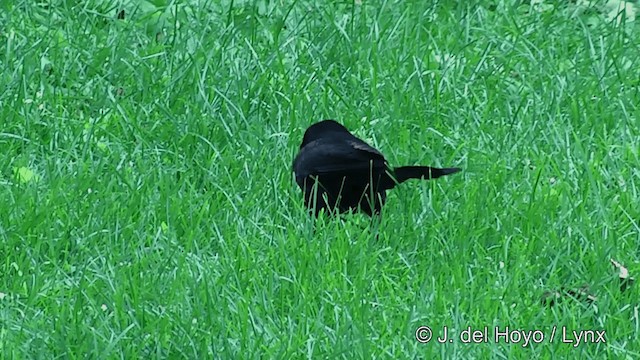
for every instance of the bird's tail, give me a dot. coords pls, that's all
(404, 173)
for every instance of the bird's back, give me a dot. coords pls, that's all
(336, 154)
(347, 170)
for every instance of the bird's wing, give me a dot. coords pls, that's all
(325, 157)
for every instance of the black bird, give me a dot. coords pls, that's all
(336, 170)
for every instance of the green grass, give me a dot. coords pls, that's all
(148, 208)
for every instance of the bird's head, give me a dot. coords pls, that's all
(321, 129)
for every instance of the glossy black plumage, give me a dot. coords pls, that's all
(347, 173)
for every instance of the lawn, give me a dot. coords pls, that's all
(148, 208)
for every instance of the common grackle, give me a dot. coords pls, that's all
(336, 170)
